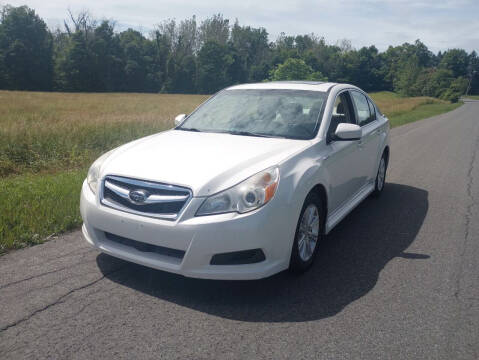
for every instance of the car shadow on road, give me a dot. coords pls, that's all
(346, 269)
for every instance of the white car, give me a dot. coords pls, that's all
(245, 186)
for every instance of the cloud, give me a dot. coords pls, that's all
(439, 24)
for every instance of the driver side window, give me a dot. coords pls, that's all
(341, 114)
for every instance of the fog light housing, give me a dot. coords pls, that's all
(243, 257)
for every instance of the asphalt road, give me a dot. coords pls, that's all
(397, 279)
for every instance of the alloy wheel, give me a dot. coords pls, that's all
(381, 174)
(308, 232)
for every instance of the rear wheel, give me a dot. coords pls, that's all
(309, 233)
(380, 177)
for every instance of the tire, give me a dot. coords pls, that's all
(380, 177)
(309, 234)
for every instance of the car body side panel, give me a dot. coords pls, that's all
(383, 135)
(344, 168)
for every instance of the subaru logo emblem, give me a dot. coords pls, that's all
(138, 196)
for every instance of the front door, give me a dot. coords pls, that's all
(343, 164)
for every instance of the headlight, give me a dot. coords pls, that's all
(94, 172)
(246, 196)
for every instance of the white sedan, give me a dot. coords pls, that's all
(245, 186)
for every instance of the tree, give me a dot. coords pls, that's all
(181, 75)
(215, 28)
(26, 50)
(75, 64)
(473, 73)
(456, 60)
(136, 60)
(76, 67)
(401, 65)
(295, 69)
(182, 57)
(107, 58)
(406, 76)
(251, 52)
(214, 60)
(363, 68)
(177, 47)
(188, 38)
(456, 89)
(433, 82)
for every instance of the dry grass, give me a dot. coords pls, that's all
(392, 104)
(50, 132)
(46, 112)
(59, 131)
(402, 110)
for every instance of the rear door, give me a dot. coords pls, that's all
(370, 141)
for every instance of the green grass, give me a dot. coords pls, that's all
(473, 97)
(403, 110)
(48, 140)
(422, 112)
(34, 207)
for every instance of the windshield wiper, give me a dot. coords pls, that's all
(232, 132)
(248, 133)
(189, 129)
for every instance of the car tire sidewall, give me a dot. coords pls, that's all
(377, 192)
(298, 265)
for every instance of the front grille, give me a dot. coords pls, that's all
(157, 200)
(144, 247)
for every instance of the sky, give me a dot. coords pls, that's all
(440, 24)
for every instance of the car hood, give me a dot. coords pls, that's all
(204, 162)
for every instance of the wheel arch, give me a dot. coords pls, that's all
(320, 189)
(386, 153)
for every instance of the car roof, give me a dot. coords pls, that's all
(291, 85)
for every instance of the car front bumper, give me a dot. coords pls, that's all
(268, 228)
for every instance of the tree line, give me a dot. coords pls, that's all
(191, 57)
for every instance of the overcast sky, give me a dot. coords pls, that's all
(440, 24)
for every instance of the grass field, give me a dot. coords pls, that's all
(474, 97)
(48, 140)
(48, 132)
(403, 110)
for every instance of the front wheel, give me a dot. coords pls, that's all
(380, 177)
(309, 233)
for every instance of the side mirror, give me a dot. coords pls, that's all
(346, 131)
(179, 119)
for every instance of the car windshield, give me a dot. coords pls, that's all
(290, 114)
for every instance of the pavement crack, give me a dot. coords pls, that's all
(41, 275)
(468, 215)
(31, 290)
(59, 300)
